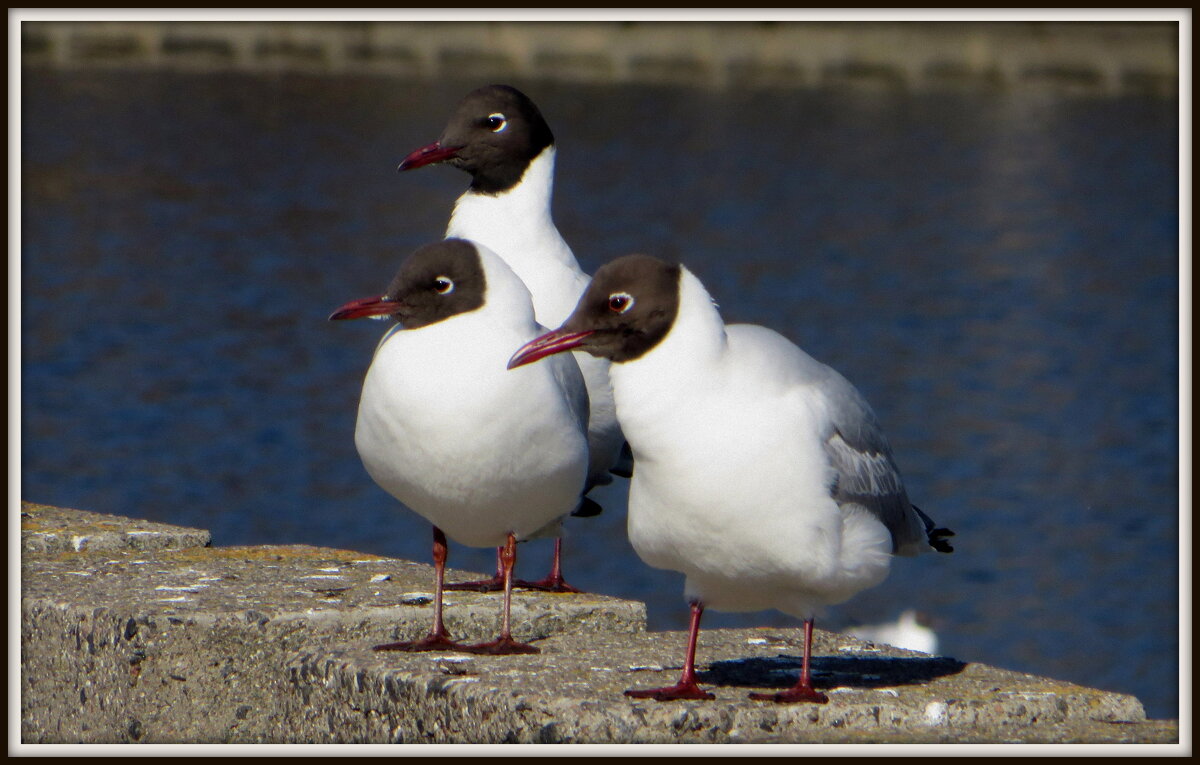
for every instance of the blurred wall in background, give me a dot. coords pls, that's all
(1060, 57)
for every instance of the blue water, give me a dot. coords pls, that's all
(997, 273)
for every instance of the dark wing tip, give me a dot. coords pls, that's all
(937, 537)
(587, 508)
(624, 466)
(937, 540)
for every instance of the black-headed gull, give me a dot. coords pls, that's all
(762, 474)
(486, 457)
(498, 136)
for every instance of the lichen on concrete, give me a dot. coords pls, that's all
(573, 693)
(180, 642)
(190, 645)
(47, 529)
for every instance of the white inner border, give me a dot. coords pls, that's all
(1182, 15)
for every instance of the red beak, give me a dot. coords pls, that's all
(428, 155)
(372, 306)
(547, 345)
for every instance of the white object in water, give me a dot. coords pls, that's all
(905, 632)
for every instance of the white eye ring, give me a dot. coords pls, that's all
(503, 121)
(443, 285)
(620, 302)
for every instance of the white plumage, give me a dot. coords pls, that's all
(486, 456)
(498, 136)
(762, 474)
(473, 449)
(517, 225)
(729, 427)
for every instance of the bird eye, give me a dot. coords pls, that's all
(620, 302)
(497, 122)
(443, 285)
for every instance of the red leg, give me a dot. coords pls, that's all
(686, 688)
(504, 645)
(554, 582)
(803, 689)
(495, 584)
(438, 638)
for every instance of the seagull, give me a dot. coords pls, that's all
(486, 457)
(498, 136)
(762, 475)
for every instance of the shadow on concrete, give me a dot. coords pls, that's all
(831, 671)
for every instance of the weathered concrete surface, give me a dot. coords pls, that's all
(572, 693)
(191, 645)
(47, 529)
(273, 644)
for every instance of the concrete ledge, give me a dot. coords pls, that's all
(191, 645)
(273, 644)
(572, 693)
(47, 529)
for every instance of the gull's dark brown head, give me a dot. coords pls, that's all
(436, 282)
(627, 309)
(494, 133)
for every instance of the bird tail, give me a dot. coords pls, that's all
(624, 466)
(588, 507)
(937, 537)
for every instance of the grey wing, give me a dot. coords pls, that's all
(570, 378)
(386, 336)
(865, 473)
(566, 370)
